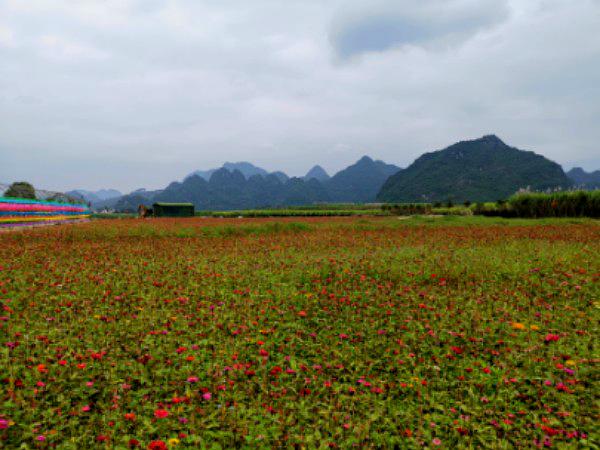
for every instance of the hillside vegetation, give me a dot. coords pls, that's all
(484, 169)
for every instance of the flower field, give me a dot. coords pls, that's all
(306, 333)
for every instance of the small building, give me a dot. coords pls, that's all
(173, 209)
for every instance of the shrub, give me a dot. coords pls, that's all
(409, 209)
(20, 189)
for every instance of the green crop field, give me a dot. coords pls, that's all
(324, 332)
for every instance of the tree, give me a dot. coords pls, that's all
(20, 189)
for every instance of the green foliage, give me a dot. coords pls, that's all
(407, 209)
(535, 205)
(20, 189)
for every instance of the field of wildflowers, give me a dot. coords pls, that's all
(306, 333)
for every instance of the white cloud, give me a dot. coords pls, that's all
(57, 47)
(7, 37)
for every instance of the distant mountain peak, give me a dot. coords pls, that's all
(586, 180)
(94, 197)
(247, 170)
(492, 138)
(318, 173)
(484, 169)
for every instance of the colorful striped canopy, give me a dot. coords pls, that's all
(21, 211)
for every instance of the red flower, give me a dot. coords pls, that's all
(304, 392)
(276, 370)
(133, 443)
(157, 445)
(161, 413)
(551, 337)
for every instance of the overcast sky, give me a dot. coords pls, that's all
(137, 93)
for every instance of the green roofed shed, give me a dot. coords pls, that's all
(173, 209)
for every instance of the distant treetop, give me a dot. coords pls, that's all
(20, 189)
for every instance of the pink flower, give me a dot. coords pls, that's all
(3, 424)
(89, 383)
(207, 396)
(436, 441)
(193, 379)
(41, 438)
(86, 408)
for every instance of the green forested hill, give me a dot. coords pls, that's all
(484, 169)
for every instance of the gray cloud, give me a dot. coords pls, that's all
(381, 25)
(128, 94)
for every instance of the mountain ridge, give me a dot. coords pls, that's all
(586, 180)
(229, 188)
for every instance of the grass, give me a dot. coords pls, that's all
(372, 332)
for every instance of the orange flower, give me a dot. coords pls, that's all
(518, 326)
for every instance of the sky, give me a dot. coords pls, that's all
(138, 93)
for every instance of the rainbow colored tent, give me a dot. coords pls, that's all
(20, 211)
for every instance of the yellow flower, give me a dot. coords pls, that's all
(518, 326)
(173, 442)
(570, 362)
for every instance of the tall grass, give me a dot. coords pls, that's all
(559, 204)
(535, 205)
